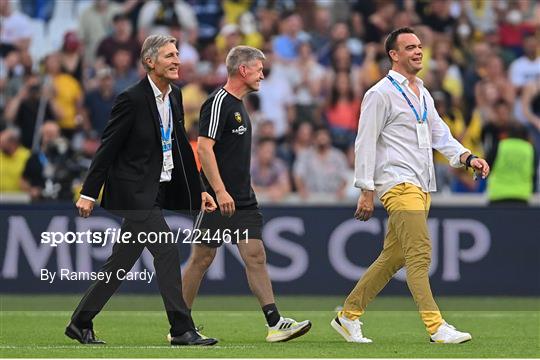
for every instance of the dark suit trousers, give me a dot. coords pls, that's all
(124, 256)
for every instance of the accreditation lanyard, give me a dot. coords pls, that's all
(422, 131)
(166, 142)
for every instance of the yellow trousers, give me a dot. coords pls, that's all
(407, 243)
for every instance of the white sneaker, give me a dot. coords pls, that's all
(447, 334)
(287, 329)
(351, 330)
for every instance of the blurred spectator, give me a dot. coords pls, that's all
(300, 141)
(497, 129)
(437, 16)
(511, 30)
(125, 74)
(428, 38)
(121, 38)
(248, 27)
(267, 20)
(527, 67)
(343, 112)
(212, 68)
(285, 45)
(269, 174)
(496, 75)
(156, 16)
(25, 107)
(511, 182)
(446, 70)
(253, 106)
(13, 158)
(524, 70)
(233, 9)
(379, 24)
(453, 118)
(229, 37)
(71, 57)
(36, 9)
(342, 63)
(481, 15)
(50, 172)
(320, 33)
(277, 98)
(308, 77)
(95, 23)
(404, 19)
(188, 53)
(11, 76)
(208, 14)
(530, 10)
(486, 96)
(193, 94)
(476, 70)
(266, 129)
(530, 101)
(339, 35)
(67, 95)
(15, 29)
(98, 102)
(321, 169)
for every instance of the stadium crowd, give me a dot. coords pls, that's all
(63, 62)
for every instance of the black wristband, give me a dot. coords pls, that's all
(470, 158)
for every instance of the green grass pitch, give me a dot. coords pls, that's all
(136, 326)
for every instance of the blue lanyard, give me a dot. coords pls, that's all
(43, 159)
(424, 117)
(166, 135)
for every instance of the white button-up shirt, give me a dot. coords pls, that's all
(387, 152)
(163, 106)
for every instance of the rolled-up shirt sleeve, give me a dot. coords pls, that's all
(372, 119)
(445, 143)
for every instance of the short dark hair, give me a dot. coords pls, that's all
(391, 39)
(266, 139)
(320, 128)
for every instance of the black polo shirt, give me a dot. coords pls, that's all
(224, 119)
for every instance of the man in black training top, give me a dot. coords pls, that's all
(224, 149)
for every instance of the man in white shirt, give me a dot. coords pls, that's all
(399, 127)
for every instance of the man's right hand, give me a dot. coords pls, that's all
(85, 207)
(226, 203)
(364, 209)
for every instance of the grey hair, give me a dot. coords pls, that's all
(242, 55)
(151, 46)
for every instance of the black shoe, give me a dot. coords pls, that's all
(191, 337)
(84, 336)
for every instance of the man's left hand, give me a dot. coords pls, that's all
(208, 204)
(480, 166)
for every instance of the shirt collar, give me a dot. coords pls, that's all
(157, 92)
(403, 80)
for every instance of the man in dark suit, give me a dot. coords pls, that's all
(146, 164)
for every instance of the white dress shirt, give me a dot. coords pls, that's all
(163, 104)
(387, 152)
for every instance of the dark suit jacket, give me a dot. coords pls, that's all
(130, 158)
